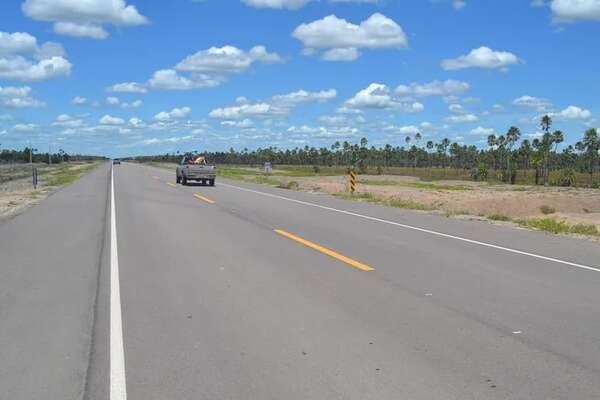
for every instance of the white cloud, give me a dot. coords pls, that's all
(110, 120)
(243, 124)
(133, 104)
(459, 4)
(67, 121)
(378, 96)
(21, 59)
(483, 57)
(455, 119)
(481, 131)
(176, 113)
(17, 42)
(128, 87)
(538, 103)
(276, 106)
(343, 38)
(575, 10)
(169, 79)
(574, 112)
(226, 59)
(402, 130)
(289, 4)
(112, 101)
(25, 127)
(208, 68)
(341, 54)
(79, 101)
(18, 97)
(305, 131)
(246, 110)
(434, 88)
(302, 96)
(83, 18)
(456, 109)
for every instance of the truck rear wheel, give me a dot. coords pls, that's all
(177, 179)
(184, 180)
(211, 182)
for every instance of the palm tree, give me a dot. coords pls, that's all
(512, 136)
(590, 145)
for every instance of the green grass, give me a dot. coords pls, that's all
(498, 217)
(556, 226)
(67, 175)
(417, 185)
(265, 180)
(397, 202)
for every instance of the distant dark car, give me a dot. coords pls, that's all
(116, 162)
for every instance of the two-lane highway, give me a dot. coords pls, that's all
(242, 291)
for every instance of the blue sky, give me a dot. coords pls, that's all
(120, 77)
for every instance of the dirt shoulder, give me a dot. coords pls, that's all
(18, 194)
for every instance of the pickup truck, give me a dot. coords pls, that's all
(195, 168)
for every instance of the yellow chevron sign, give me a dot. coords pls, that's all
(353, 181)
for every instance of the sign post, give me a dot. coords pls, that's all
(35, 177)
(268, 168)
(353, 181)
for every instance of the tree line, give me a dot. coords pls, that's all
(31, 154)
(504, 158)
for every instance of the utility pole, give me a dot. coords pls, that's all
(49, 159)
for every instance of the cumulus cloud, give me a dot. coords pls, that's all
(79, 101)
(456, 109)
(176, 113)
(456, 119)
(434, 88)
(482, 57)
(23, 60)
(226, 59)
(342, 39)
(402, 130)
(378, 96)
(18, 97)
(210, 67)
(575, 10)
(25, 127)
(83, 18)
(128, 87)
(110, 120)
(481, 131)
(169, 79)
(243, 124)
(289, 4)
(574, 112)
(67, 121)
(538, 103)
(276, 106)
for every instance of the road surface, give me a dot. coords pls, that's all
(241, 291)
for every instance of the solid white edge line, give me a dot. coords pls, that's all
(416, 228)
(118, 389)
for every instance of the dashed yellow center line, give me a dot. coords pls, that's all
(171, 184)
(324, 250)
(203, 198)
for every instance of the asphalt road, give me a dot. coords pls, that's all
(242, 291)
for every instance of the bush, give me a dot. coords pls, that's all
(585, 229)
(547, 210)
(316, 169)
(291, 185)
(499, 217)
(480, 173)
(566, 178)
(379, 170)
